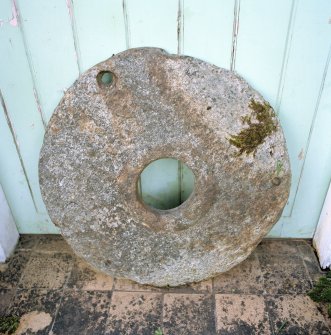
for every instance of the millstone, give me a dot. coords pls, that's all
(145, 104)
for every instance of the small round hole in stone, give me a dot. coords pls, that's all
(105, 78)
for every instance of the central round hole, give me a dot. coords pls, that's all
(165, 183)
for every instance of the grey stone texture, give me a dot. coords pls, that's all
(101, 136)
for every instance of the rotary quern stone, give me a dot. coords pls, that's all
(141, 105)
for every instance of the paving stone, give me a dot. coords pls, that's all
(82, 313)
(279, 247)
(188, 314)
(46, 271)
(244, 278)
(323, 308)
(36, 308)
(6, 296)
(297, 315)
(52, 243)
(310, 259)
(35, 322)
(84, 277)
(241, 315)
(284, 274)
(27, 241)
(11, 271)
(134, 313)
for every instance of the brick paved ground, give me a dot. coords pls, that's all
(54, 292)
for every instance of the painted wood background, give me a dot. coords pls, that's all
(281, 47)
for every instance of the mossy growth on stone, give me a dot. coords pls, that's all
(322, 291)
(261, 124)
(158, 332)
(9, 324)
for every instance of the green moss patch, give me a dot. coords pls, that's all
(261, 124)
(9, 324)
(322, 291)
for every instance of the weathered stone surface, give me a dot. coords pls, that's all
(101, 137)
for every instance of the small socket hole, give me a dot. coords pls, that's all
(105, 78)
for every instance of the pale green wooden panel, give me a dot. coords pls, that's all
(14, 183)
(281, 49)
(47, 30)
(261, 44)
(99, 29)
(26, 121)
(152, 23)
(20, 102)
(309, 48)
(316, 173)
(208, 30)
(276, 230)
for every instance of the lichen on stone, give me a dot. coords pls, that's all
(279, 168)
(261, 124)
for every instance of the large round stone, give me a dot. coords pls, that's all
(141, 105)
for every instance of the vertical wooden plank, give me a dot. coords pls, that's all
(304, 117)
(48, 34)
(13, 181)
(23, 117)
(302, 82)
(180, 27)
(235, 30)
(208, 29)
(100, 30)
(9, 235)
(276, 230)
(187, 180)
(12, 178)
(17, 98)
(261, 47)
(261, 44)
(316, 173)
(153, 23)
(180, 50)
